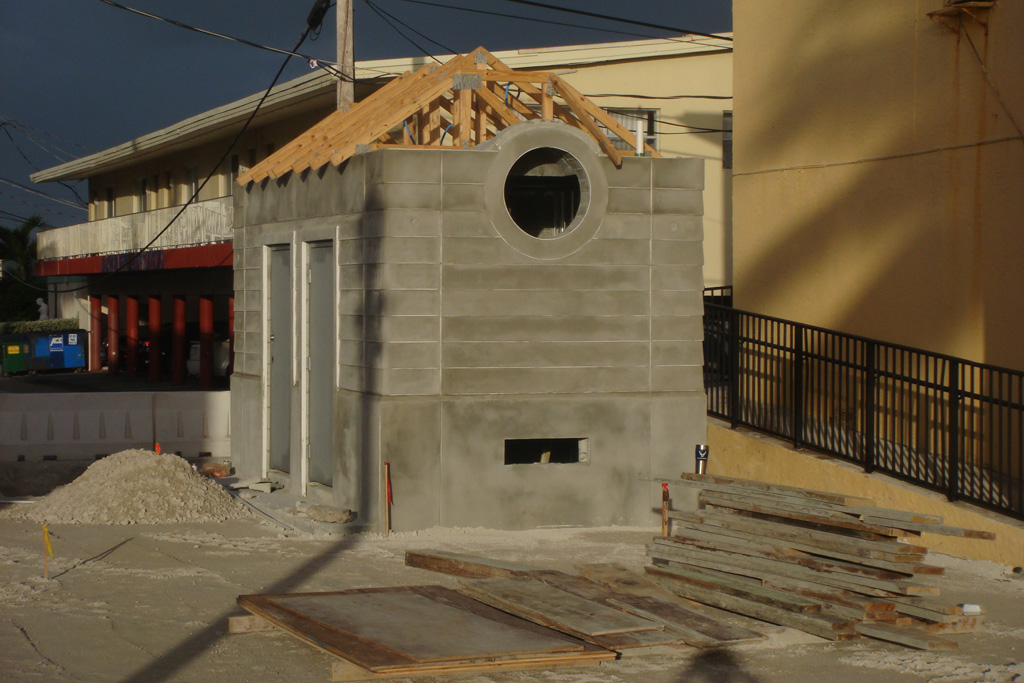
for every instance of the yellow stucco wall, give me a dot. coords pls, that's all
(744, 454)
(878, 174)
(697, 74)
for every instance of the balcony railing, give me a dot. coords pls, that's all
(202, 223)
(940, 422)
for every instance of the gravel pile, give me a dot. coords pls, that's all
(135, 487)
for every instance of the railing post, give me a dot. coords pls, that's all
(798, 384)
(953, 431)
(734, 367)
(869, 406)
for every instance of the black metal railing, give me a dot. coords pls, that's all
(940, 422)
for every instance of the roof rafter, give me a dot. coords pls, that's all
(456, 105)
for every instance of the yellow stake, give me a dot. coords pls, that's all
(48, 551)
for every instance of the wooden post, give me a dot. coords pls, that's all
(547, 108)
(463, 128)
(387, 498)
(346, 64)
(664, 510)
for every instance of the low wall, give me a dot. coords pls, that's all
(83, 426)
(745, 454)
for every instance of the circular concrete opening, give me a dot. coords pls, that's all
(545, 192)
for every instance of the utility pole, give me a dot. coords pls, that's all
(346, 64)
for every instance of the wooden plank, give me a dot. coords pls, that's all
(626, 581)
(375, 657)
(907, 635)
(753, 566)
(463, 131)
(469, 566)
(749, 484)
(941, 529)
(582, 106)
(343, 671)
(930, 609)
(821, 625)
(494, 102)
(907, 565)
(420, 628)
(551, 605)
(830, 595)
(793, 557)
(961, 625)
(695, 628)
(249, 623)
(836, 539)
(576, 103)
(797, 512)
(726, 583)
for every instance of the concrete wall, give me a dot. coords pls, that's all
(878, 171)
(456, 330)
(82, 426)
(748, 455)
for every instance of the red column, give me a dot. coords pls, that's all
(113, 334)
(205, 342)
(131, 323)
(231, 335)
(155, 327)
(95, 331)
(178, 340)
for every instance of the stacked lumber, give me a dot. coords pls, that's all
(621, 616)
(831, 565)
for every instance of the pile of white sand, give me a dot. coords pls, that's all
(135, 487)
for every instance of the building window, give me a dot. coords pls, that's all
(546, 451)
(142, 195)
(726, 139)
(235, 171)
(542, 192)
(111, 207)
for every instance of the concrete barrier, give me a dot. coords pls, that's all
(88, 425)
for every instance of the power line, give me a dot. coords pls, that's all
(34, 191)
(22, 127)
(14, 142)
(381, 13)
(533, 19)
(662, 97)
(38, 206)
(607, 17)
(214, 34)
(310, 27)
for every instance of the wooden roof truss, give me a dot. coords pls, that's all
(456, 105)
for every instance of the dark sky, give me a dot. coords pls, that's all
(81, 76)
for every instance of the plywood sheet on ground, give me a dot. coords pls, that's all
(415, 630)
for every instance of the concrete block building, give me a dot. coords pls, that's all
(512, 324)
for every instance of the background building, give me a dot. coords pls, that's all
(878, 170)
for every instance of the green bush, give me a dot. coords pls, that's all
(39, 326)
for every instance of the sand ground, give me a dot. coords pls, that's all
(149, 603)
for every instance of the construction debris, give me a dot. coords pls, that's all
(831, 565)
(134, 487)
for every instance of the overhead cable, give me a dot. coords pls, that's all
(215, 34)
(622, 20)
(195, 195)
(389, 19)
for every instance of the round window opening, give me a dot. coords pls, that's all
(544, 192)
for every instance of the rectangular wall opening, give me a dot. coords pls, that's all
(546, 451)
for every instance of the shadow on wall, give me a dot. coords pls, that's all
(905, 248)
